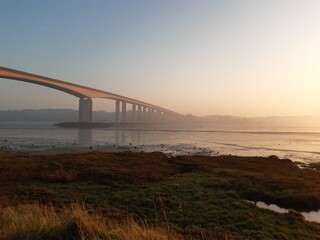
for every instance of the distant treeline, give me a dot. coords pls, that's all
(70, 115)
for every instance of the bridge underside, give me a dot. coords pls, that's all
(138, 114)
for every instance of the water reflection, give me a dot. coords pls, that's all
(124, 136)
(295, 145)
(118, 136)
(85, 135)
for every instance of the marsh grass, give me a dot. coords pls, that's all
(36, 221)
(196, 196)
(198, 207)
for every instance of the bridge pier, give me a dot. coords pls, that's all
(117, 111)
(85, 110)
(151, 115)
(162, 117)
(134, 117)
(144, 114)
(147, 115)
(157, 116)
(124, 112)
(139, 113)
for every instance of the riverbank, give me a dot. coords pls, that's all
(203, 197)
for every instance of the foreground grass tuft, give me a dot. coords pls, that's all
(35, 221)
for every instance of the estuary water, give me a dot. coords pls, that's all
(297, 144)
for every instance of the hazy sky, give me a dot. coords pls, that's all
(241, 57)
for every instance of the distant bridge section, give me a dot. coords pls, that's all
(141, 111)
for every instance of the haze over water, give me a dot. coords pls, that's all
(243, 58)
(298, 144)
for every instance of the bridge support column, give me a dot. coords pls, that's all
(134, 117)
(158, 116)
(167, 117)
(162, 114)
(147, 118)
(117, 111)
(144, 115)
(85, 110)
(124, 112)
(152, 115)
(139, 113)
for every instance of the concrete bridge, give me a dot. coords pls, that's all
(141, 111)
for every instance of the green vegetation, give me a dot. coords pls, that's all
(186, 197)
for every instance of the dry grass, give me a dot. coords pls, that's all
(98, 167)
(35, 221)
(22, 220)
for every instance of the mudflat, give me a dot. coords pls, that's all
(182, 197)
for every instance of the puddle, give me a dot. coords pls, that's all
(309, 216)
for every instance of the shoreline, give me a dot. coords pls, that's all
(44, 137)
(46, 148)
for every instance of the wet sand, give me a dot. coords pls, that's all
(42, 146)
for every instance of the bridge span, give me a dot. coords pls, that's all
(141, 111)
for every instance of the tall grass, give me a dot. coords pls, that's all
(35, 221)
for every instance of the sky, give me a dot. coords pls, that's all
(230, 57)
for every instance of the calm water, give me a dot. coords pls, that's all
(313, 216)
(298, 144)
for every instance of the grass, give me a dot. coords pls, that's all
(190, 197)
(191, 200)
(35, 221)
